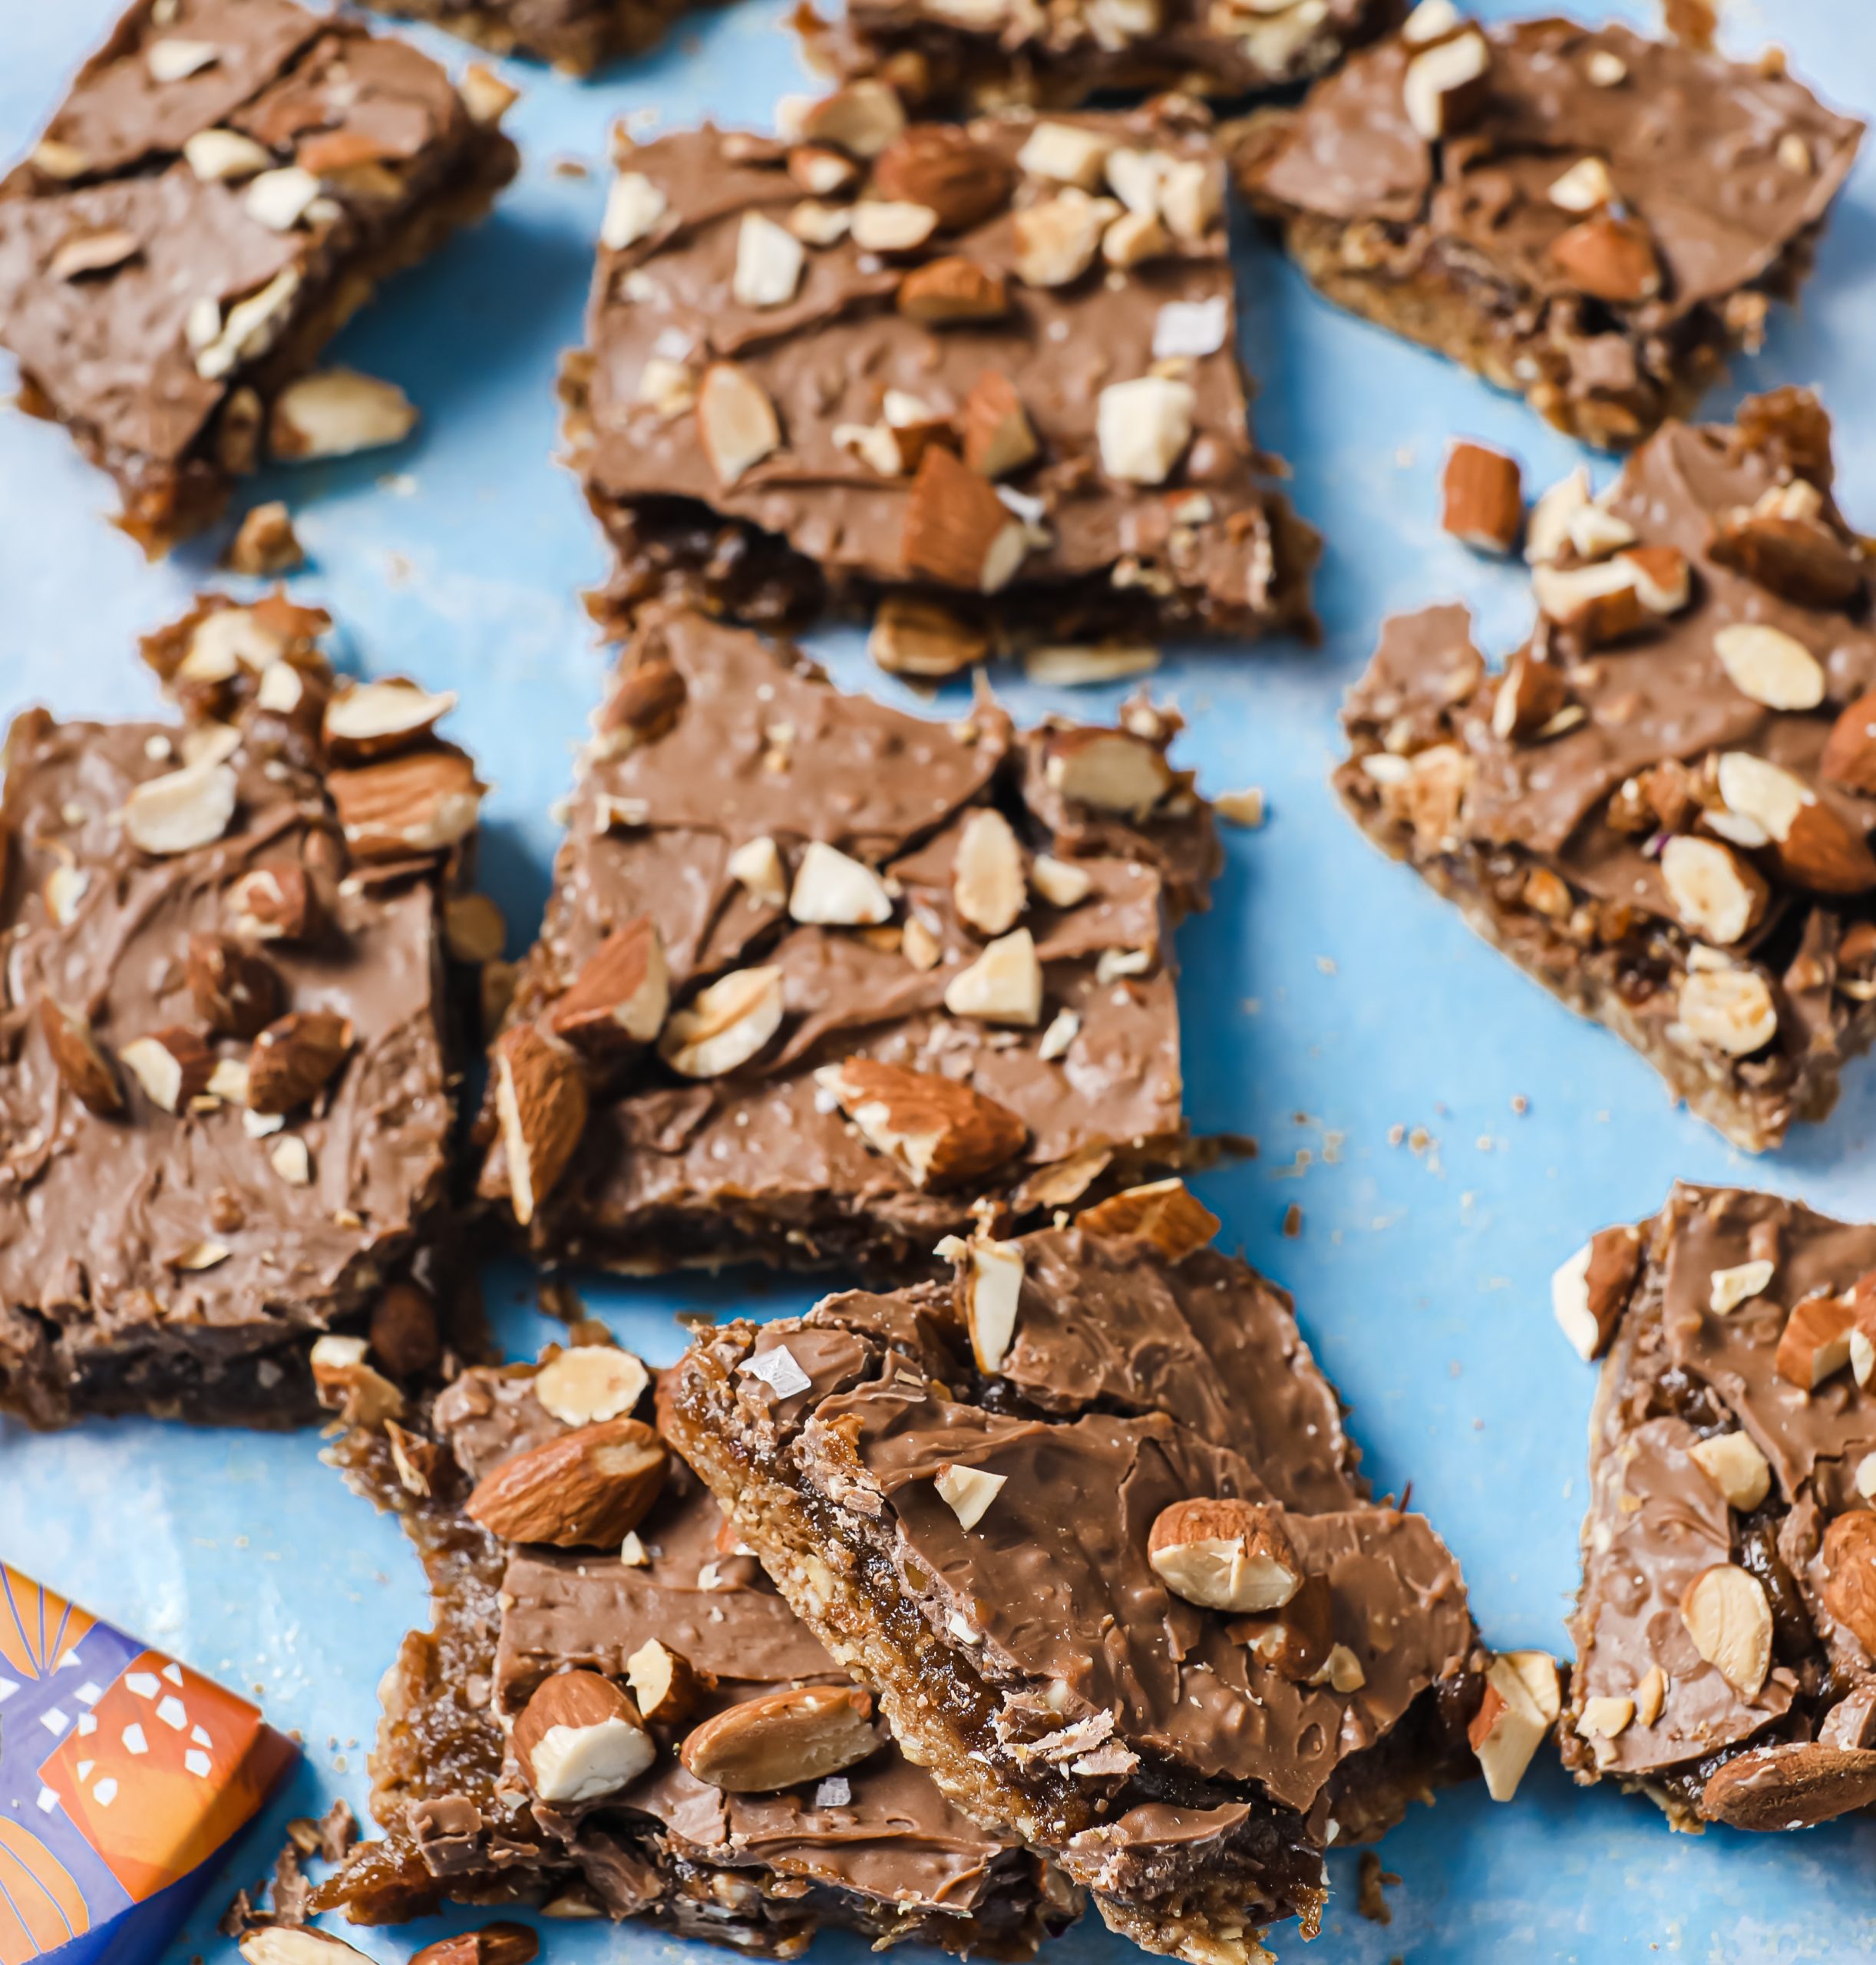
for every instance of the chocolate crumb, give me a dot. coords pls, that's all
(1368, 1887)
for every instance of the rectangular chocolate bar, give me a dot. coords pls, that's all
(1661, 808)
(224, 183)
(986, 376)
(1086, 1519)
(1590, 219)
(576, 35)
(124, 1776)
(615, 1715)
(819, 979)
(989, 53)
(223, 1008)
(1726, 1630)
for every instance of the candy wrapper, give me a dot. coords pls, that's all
(122, 1776)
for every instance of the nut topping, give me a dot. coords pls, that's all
(1729, 1010)
(988, 883)
(1727, 1617)
(832, 889)
(580, 1739)
(183, 809)
(939, 165)
(1720, 897)
(274, 902)
(1793, 554)
(494, 1944)
(422, 803)
(1588, 1294)
(1483, 496)
(1143, 427)
(1815, 1342)
(541, 1105)
(235, 991)
(1849, 1560)
(664, 1682)
(756, 867)
(1446, 85)
(1112, 770)
(336, 413)
(1164, 1212)
(1736, 1467)
(769, 260)
(724, 1026)
(1793, 1783)
(1529, 694)
(736, 422)
(294, 1057)
(1296, 1641)
(1004, 985)
(997, 436)
(1849, 756)
(779, 1739)
(952, 289)
(172, 1065)
(1225, 1555)
(587, 1382)
(80, 1059)
(586, 1489)
(288, 1944)
(403, 1334)
(373, 719)
(942, 1133)
(345, 1384)
(968, 1491)
(1522, 1703)
(993, 1287)
(1609, 259)
(621, 994)
(957, 530)
(1769, 666)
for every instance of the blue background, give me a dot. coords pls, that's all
(1328, 998)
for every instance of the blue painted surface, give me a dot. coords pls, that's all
(1328, 999)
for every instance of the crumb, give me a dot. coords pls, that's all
(1520, 1104)
(1241, 808)
(570, 166)
(1326, 963)
(1293, 1221)
(1373, 1880)
(265, 543)
(1396, 1133)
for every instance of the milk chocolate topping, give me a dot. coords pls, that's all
(1190, 536)
(1683, 1373)
(214, 1262)
(575, 35)
(760, 1160)
(128, 349)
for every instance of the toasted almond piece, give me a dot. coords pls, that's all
(1548, 531)
(422, 802)
(473, 930)
(1164, 1212)
(1610, 258)
(1769, 666)
(1720, 897)
(1789, 1784)
(736, 422)
(1295, 1642)
(1112, 770)
(373, 719)
(337, 412)
(1736, 1467)
(1815, 1343)
(915, 637)
(621, 994)
(1225, 1555)
(404, 1329)
(635, 206)
(499, 1943)
(1727, 1615)
(1004, 985)
(294, 1057)
(941, 1132)
(877, 225)
(1065, 153)
(1431, 20)
(1134, 238)
(1446, 84)
(820, 172)
(1605, 1717)
(588, 1382)
(287, 1944)
(941, 167)
(756, 867)
(988, 884)
(1078, 665)
(664, 1683)
(345, 1383)
(1849, 1558)
(236, 992)
(1730, 1010)
(957, 531)
(645, 705)
(952, 289)
(1143, 427)
(1482, 494)
(172, 1065)
(79, 1058)
(1663, 579)
(1521, 1705)
(1849, 756)
(585, 1489)
(778, 1739)
(863, 118)
(1795, 555)
(1341, 1671)
(224, 157)
(1057, 883)
(279, 199)
(1817, 847)
(992, 1286)
(65, 888)
(1585, 186)
(580, 1739)
(1650, 1695)
(1601, 601)
(832, 889)
(724, 1025)
(1727, 1289)
(1589, 1292)
(265, 543)
(998, 438)
(95, 251)
(541, 1105)
(1057, 240)
(816, 224)
(1529, 694)
(968, 1491)
(768, 263)
(182, 810)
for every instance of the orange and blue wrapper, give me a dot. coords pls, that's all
(122, 1776)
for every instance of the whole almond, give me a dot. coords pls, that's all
(541, 1105)
(781, 1738)
(1164, 1212)
(1795, 1784)
(236, 992)
(294, 1057)
(580, 1739)
(1799, 558)
(419, 803)
(942, 1133)
(494, 1944)
(1225, 1554)
(585, 1489)
(940, 166)
(644, 704)
(620, 995)
(1849, 756)
(1849, 1558)
(79, 1058)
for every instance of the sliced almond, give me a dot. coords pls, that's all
(373, 719)
(1112, 770)
(1143, 427)
(541, 1105)
(172, 1065)
(832, 889)
(1004, 985)
(1727, 1615)
(779, 1739)
(957, 531)
(585, 1489)
(952, 289)
(635, 206)
(621, 994)
(1736, 1467)
(666, 1685)
(1165, 1213)
(295, 1057)
(183, 809)
(1730, 1010)
(736, 422)
(336, 413)
(1720, 897)
(1225, 1555)
(1769, 666)
(878, 225)
(79, 1058)
(942, 1133)
(1585, 186)
(724, 1025)
(1589, 1292)
(988, 883)
(1445, 85)
(997, 437)
(588, 1382)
